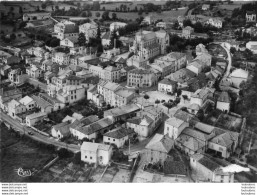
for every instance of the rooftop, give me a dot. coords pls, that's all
(161, 143)
(119, 133)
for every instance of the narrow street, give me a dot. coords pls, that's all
(36, 136)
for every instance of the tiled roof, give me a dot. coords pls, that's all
(197, 134)
(36, 115)
(174, 167)
(175, 122)
(95, 127)
(161, 143)
(119, 133)
(26, 100)
(124, 93)
(93, 147)
(122, 110)
(64, 128)
(167, 82)
(140, 71)
(190, 142)
(224, 97)
(111, 86)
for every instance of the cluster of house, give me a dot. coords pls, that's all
(204, 20)
(68, 78)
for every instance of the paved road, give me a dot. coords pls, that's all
(229, 58)
(38, 137)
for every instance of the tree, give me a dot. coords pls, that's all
(115, 40)
(43, 6)
(105, 15)
(89, 13)
(232, 50)
(84, 14)
(82, 39)
(97, 14)
(77, 158)
(103, 8)
(187, 22)
(96, 6)
(12, 36)
(146, 97)
(157, 102)
(140, 12)
(63, 153)
(135, 9)
(114, 16)
(168, 105)
(98, 33)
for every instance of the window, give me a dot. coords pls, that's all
(108, 138)
(85, 156)
(114, 140)
(90, 157)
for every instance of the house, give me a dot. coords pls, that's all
(252, 45)
(158, 148)
(201, 95)
(205, 7)
(95, 153)
(112, 74)
(34, 72)
(106, 39)
(97, 98)
(61, 58)
(146, 121)
(141, 78)
(116, 25)
(4, 70)
(225, 143)
(123, 97)
(162, 25)
(196, 66)
(211, 169)
(17, 77)
(93, 130)
(28, 102)
(65, 29)
(36, 16)
(122, 113)
(238, 76)
(216, 22)
(11, 60)
(15, 107)
(174, 126)
(35, 117)
(47, 103)
(61, 130)
(167, 86)
(70, 42)
(118, 136)
(250, 16)
(223, 102)
(205, 58)
(89, 30)
(8, 95)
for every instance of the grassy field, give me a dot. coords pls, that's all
(23, 154)
(166, 16)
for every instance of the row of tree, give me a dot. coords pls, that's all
(180, 44)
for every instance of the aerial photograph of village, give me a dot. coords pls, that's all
(128, 91)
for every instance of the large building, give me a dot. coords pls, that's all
(141, 78)
(90, 30)
(147, 45)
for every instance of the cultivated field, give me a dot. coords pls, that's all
(23, 154)
(166, 16)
